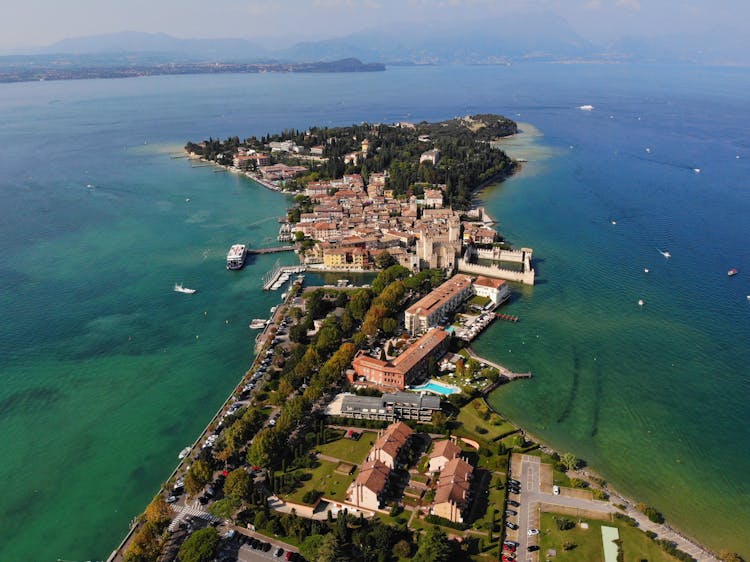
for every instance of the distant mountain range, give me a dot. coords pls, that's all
(530, 36)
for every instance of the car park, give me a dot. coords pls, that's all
(266, 547)
(514, 503)
(513, 481)
(532, 548)
(171, 499)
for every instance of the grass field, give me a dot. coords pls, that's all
(470, 417)
(636, 545)
(354, 451)
(324, 478)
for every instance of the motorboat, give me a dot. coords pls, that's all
(180, 289)
(664, 253)
(185, 452)
(732, 272)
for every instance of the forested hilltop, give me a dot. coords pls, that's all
(457, 153)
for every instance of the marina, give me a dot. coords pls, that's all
(274, 279)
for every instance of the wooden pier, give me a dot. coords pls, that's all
(273, 250)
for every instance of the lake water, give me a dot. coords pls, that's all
(107, 373)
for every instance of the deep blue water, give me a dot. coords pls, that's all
(104, 379)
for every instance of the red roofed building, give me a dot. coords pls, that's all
(368, 490)
(394, 439)
(402, 370)
(452, 495)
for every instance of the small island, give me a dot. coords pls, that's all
(361, 429)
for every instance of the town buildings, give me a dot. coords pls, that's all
(434, 308)
(388, 407)
(404, 369)
(369, 488)
(390, 444)
(443, 451)
(453, 492)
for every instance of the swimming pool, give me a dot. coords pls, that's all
(437, 388)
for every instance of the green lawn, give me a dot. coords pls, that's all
(354, 451)
(636, 545)
(496, 500)
(470, 418)
(324, 479)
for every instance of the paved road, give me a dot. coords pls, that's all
(533, 494)
(531, 497)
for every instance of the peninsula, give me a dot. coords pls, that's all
(31, 69)
(360, 431)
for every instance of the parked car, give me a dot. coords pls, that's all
(279, 552)
(511, 512)
(532, 532)
(514, 503)
(171, 499)
(532, 548)
(556, 490)
(511, 525)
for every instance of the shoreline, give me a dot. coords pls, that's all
(588, 473)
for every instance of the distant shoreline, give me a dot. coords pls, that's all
(24, 73)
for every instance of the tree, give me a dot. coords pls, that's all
(264, 448)
(310, 546)
(402, 549)
(570, 461)
(200, 546)
(197, 477)
(434, 546)
(158, 511)
(238, 484)
(224, 508)
(384, 260)
(390, 325)
(329, 549)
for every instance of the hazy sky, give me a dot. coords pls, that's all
(41, 22)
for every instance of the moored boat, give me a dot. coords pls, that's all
(185, 452)
(236, 256)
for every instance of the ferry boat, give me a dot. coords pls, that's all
(180, 289)
(236, 256)
(732, 272)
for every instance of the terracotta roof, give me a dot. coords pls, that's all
(489, 282)
(445, 448)
(374, 476)
(453, 483)
(393, 438)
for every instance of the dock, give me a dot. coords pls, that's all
(272, 278)
(506, 373)
(506, 317)
(273, 250)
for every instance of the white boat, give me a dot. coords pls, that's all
(664, 253)
(180, 289)
(640, 302)
(258, 323)
(586, 107)
(697, 170)
(236, 256)
(645, 270)
(185, 452)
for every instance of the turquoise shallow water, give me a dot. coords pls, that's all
(104, 380)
